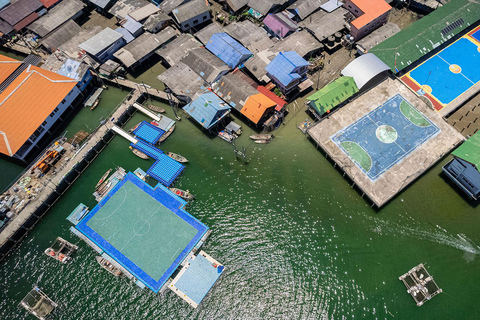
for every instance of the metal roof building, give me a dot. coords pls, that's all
(101, 41)
(284, 67)
(102, 4)
(206, 64)
(365, 68)
(301, 42)
(156, 22)
(183, 81)
(207, 32)
(228, 49)
(192, 13)
(177, 49)
(279, 24)
(427, 34)
(304, 8)
(263, 7)
(377, 36)
(122, 8)
(19, 10)
(253, 37)
(236, 5)
(332, 95)
(127, 36)
(144, 46)
(63, 34)
(167, 6)
(207, 109)
(61, 13)
(144, 12)
(133, 26)
(323, 24)
(4, 3)
(234, 90)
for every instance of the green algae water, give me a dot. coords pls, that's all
(297, 241)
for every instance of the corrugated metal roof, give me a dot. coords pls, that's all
(178, 48)
(283, 65)
(5, 28)
(207, 109)
(133, 26)
(154, 20)
(57, 16)
(332, 95)
(25, 22)
(101, 3)
(302, 41)
(63, 34)
(236, 5)
(234, 90)
(372, 9)
(261, 6)
(304, 8)
(144, 12)
(425, 35)
(143, 46)
(206, 33)
(253, 37)
(323, 24)
(19, 10)
(364, 68)
(122, 8)
(182, 80)
(228, 49)
(48, 3)
(470, 150)
(279, 24)
(205, 63)
(257, 106)
(190, 10)
(167, 6)
(100, 41)
(126, 34)
(378, 35)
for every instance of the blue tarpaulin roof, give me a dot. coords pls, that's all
(228, 49)
(207, 109)
(148, 132)
(283, 65)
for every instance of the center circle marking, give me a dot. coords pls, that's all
(386, 134)
(141, 227)
(455, 68)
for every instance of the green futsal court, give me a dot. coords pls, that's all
(141, 229)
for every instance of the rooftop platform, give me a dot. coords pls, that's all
(196, 278)
(165, 170)
(146, 230)
(148, 132)
(385, 139)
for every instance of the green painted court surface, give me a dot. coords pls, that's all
(142, 229)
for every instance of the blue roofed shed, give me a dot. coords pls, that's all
(287, 70)
(228, 49)
(127, 36)
(208, 109)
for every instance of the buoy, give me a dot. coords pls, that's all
(61, 257)
(52, 253)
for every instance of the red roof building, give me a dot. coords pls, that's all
(370, 14)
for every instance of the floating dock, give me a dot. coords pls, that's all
(420, 284)
(144, 231)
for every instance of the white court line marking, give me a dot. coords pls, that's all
(450, 65)
(124, 198)
(134, 233)
(174, 254)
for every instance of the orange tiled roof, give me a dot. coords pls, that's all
(372, 9)
(255, 107)
(7, 67)
(27, 102)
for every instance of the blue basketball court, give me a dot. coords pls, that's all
(144, 229)
(450, 73)
(385, 136)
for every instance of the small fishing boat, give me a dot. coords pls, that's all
(263, 136)
(139, 153)
(108, 266)
(177, 157)
(103, 178)
(166, 134)
(262, 141)
(61, 250)
(95, 104)
(156, 109)
(186, 195)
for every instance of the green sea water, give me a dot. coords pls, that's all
(297, 241)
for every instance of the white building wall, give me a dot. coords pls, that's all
(186, 25)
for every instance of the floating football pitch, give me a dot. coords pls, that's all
(385, 136)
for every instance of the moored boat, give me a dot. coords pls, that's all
(156, 109)
(61, 250)
(139, 153)
(166, 134)
(108, 266)
(95, 104)
(134, 127)
(177, 157)
(262, 141)
(263, 136)
(103, 178)
(186, 195)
